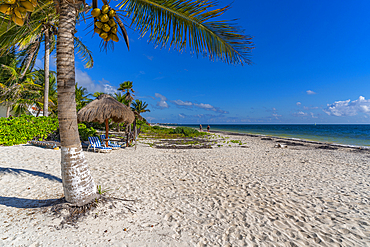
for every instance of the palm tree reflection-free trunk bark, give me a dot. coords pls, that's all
(79, 187)
(7, 111)
(46, 69)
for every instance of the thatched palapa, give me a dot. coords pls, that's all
(106, 107)
(102, 109)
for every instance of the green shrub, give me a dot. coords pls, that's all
(186, 131)
(19, 130)
(86, 132)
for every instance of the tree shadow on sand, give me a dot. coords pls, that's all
(17, 171)
(25, 202)
(16, 202)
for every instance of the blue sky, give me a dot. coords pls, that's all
(310, 64)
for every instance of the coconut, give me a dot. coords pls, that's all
(111, 22)
(105, 9)
(112, 13)
(4, 8)
(113, 30)
(113, 37)
(34, 3)
(106, 27)
(10, 1)
(97, 30)
(104, 18)
(95, 12)
(17, 20)
(19, 12)
(103, 35)
(28, 6)
(99, 24)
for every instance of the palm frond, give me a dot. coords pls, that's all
(190, 24)
(123, 30)
(12, 34)
(84, 53)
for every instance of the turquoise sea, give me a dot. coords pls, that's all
(346, 134)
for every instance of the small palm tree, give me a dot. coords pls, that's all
(139, 106)
(82, 97)
(97, 94)
(121, 98)
(127, 86)
(19, 92)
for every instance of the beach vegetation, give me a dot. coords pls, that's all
(101, 191)
(20, 130)
(86, 132)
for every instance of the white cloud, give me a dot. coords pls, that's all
(276, 115)
(298, 103)
(274, 109)
(182, 115)
(209, 107)
(310, 92)
(162, 103)
(310, 108)
(300, 114)
(204, 106)
(348, 107)
(182, 103)
(84, 80)
(39, 64)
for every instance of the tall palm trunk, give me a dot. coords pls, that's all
(46, 69)
(7, 111)
(79, 187)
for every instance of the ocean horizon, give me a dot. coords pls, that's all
(344, 134)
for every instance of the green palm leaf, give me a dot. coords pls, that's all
(190, 24)
(84, 53)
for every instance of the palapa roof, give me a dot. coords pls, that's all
(105, 107)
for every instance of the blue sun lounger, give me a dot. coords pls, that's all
(96, 145)
(111, 145)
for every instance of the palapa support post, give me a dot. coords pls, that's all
(127, 136)
(106, 132)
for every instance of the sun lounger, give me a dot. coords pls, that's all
(111, 145)
(95, 144)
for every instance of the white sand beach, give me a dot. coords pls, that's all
(258, 195)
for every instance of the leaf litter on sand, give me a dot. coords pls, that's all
(71, 214)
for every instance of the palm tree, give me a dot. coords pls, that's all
(179, 23)
(42, 26)
(51, 95)
(121, 98)
(19, 92)
(127, 86)
(78, 184)
(139, 106)
(82, 97)
(97, 94)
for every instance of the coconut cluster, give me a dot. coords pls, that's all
(105, 25)
(17, 9)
